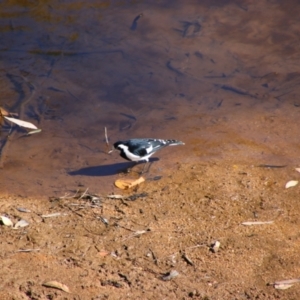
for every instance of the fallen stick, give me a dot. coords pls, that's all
(257, 223)
(107, 141)
(106, 138)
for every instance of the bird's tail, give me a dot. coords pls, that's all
(174, 142)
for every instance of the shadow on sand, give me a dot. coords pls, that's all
(107, 170)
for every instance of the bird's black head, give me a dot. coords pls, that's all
(120, 146)
(116, 145)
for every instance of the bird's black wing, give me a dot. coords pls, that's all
(143, 147)
(136, 147)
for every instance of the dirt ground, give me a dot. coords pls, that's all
(124, 248)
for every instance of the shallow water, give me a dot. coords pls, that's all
(223, 76)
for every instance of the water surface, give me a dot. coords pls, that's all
(223, 76)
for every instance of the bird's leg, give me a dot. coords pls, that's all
(143, 170)
(149, 165)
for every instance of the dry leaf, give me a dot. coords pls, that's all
(285, 284)
(24, 210)
(21, 123)
(288, 281)
(57, 285)
(282, 286)
(128, 183)
(170, 275)
(103, 253)
(6, 221)
(291, 183)
(21, 223)
(4, 112)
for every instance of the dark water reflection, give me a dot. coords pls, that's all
(221, 75)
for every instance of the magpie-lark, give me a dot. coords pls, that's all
(141, 149)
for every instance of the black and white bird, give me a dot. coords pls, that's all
(141, 149)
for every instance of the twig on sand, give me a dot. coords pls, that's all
(106, 138)
(53, 215)
(136, 233)
(257, 223)
(28, 250)
(84, 194)
(107, 141)
(67, 195)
